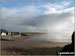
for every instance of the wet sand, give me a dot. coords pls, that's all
(30, 41)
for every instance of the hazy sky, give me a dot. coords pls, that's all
(52, 16)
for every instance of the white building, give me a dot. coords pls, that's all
(3, 34)
(9, 33)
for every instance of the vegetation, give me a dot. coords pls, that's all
(33, 51)
(4, 40)
(30, 33)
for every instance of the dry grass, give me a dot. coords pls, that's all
(51, 44)
(33, 51)
(40, 49)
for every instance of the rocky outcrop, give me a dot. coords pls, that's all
(69, 47)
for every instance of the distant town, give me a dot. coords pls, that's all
(8, 35)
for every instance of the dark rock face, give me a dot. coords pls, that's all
(69, 47)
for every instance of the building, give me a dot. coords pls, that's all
(3, 34)
(6, 33)
(9, 33)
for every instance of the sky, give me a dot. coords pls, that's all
(55, 17)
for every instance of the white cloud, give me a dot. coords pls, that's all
(18, 15)
(53, 10)
(66, 3)
(11, 17)
(50, 10)
(56, 7)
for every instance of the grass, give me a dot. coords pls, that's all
(33, 51)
